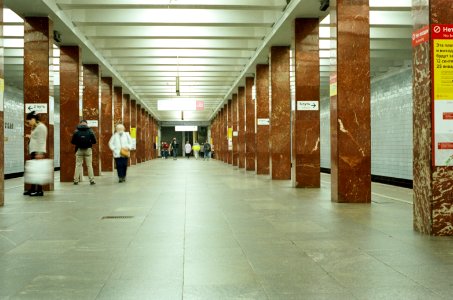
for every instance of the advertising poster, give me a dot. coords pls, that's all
(442, 36)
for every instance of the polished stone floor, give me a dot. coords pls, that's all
(204, 230)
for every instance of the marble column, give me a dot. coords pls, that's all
(432, 94)
(91, 108)
(144, 133)
(70, 73)
(127, 112)
(139, 134)
(280, 130)
(241, 127)
(134, 133)
(306, 130)
(106, 123)
(2, 130)
(38, 76)
(118, 105)
(350, 104)
(147, 138)
(262, 119)
(235, 122)
(250, 147)
(229, 125)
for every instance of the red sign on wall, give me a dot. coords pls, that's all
(442, 32)
(420, 36)
(200, 105)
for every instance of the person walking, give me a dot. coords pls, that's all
(207, 150)
(196, 149)
(188, 148)
(174, 148)
(121, 143)
(37, 147)
(83, 139)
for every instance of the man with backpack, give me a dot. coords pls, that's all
(207, 151)
(83, 138)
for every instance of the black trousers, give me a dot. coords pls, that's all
(121, 166)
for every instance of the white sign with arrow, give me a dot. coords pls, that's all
(307, 105)
(39, 108)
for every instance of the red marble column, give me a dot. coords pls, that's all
(280, 130)
(118, 105)
(139, 134)
(127, 112)
(433, 185)
(70, 71)
(262, 119)
(91, 108)
(144, 134)
(38, 77)
(106, 123)
(250, 146)
(230, 130)
(2, 130)
(133, 158)
(225, 132)
(241, 127)
(147, 138)
(235, 122)
(306, 137)
(350, 106)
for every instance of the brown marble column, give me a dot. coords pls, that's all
(250, 147)
(241, 127)
(139, 134)
(38, 76)
(117, 105)
(147, 138)
(133, 158)
(229, 129)
(127, 112)
(2, 130)
(91, 108)
(433, 185)
(70, 72)
(235, 122)
(106, 123)
(350, 105)
(280, 130)
(306, 137)
(144, 133)
(263, 120)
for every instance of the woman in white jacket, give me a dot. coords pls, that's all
(121, 143)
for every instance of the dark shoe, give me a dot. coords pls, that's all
(76, 183)
(92, 182)
(27, 193)
(35, 194)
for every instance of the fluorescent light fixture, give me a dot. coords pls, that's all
(186, 128)
(180, 104)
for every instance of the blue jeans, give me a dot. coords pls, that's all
(175, 153)
(207, 154)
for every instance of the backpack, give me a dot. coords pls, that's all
(207, 147)
(83, 139)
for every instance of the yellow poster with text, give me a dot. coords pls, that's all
(230, 133)
(134, 133)
(443, 70)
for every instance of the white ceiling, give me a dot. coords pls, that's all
(210, 45)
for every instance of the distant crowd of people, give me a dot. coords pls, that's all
(204, 150)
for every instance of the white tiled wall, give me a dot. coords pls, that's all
(14, 130)
(391, 126)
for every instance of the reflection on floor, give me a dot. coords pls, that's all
(205, 230)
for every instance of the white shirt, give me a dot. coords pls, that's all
(38, 139)
(188, 147)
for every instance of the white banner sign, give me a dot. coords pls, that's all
(92, 123)
(235, 133)
(39, 108)
(307, 105)
(263, 122)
